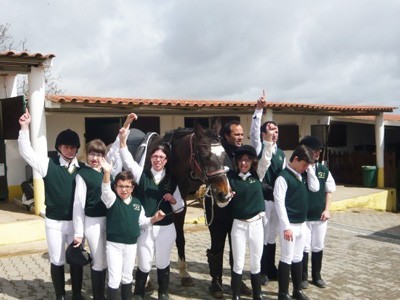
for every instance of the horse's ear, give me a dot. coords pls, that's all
(198, 129)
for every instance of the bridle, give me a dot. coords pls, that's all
(196, 166)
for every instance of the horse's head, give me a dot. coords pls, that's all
(210, 157)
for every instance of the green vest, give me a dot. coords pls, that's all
(272, 173)
(296, 199)
(317, 200)
(151, 195)
(94, 207)
(59, 190)
(248, 200)
(123, 221)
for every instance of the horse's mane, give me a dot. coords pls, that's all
(178, 133)
(182, 132)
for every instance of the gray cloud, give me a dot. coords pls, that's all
(310, 51)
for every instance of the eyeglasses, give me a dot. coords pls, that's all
(95, 154)
(124, 187)
(162, 158)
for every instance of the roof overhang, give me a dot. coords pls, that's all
(21, 63)
(107, 105)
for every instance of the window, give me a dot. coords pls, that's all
(288, 137)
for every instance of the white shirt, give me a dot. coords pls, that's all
(280, 189)
(39, 163)
(137, 171)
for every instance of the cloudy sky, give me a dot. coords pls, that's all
(321, 51)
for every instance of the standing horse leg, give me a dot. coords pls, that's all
(179, 219)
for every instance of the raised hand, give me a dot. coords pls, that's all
(261, 101)
(129, 119)
(25, 120)
(105, 165)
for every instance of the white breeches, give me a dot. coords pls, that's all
(59, 234)
(271, 223)
(242, 233)
(95, 234)
(292, 251)
(315, 235)
(155, 241)
(121, 262)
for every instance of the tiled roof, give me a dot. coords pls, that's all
(386, 117)
(21, 62)
(25, 54)
(186, 103)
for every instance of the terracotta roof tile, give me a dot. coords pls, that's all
(25, 54)
(216, 103)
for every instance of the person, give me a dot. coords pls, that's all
(89, 214)
(220, 219)
(291, 202)
(125, 217)
(59, 181)
(247, 207)
(264, 139)
(317, 216)
(157, 189)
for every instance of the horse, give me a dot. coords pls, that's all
(197, 157)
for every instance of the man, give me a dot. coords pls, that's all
(317, 216)
(272, 162)
(220, 219)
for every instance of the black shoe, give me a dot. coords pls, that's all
(216, 290)
(319, 283)
(299, 295)
(284, 296)
(264, 280)
(304, 284)
(245, 290)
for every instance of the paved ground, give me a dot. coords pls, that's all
(362, 261)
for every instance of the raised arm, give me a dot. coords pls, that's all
(38, 163)
(107, 195)
(255, 134)
(127, 159)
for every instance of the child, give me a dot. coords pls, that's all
(247, 208)
(125, 216)
(291, 203)
(89, 214)
(318, 215)
(59, 181)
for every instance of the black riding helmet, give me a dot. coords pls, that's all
(77, 256)
(312, 142)
(246, 149)
(69, 138)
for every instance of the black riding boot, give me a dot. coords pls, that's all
(58, 279)
(296, 279)
(236, 282)
(304, 276)
(256, 286)
(264, 277)
(215, 265)
(272, 271)
(140, 284)
(316, 265)
(76, 281)
(126, 291)
(98, 284)
(163, 283)
(283, 281)
(112, 294)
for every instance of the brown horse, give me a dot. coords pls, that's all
(197, 157)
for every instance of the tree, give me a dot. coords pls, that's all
(52, 78)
